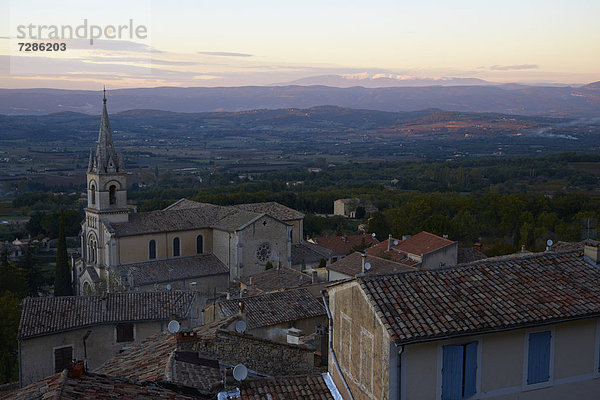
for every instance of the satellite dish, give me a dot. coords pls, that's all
(240, 326)
(373, 234)
(240, 372)
(367, 266)
(395, 243)
(169, 286)
(173, 326)
(549, 242)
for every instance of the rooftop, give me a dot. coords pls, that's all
(91, 386)
(274, 308)
(273, 209)
(47, 315)
(174, 269)
(309, 252)
(422, 243)
(469, 254)
(352, 265)
(345, 244)
(276, 279)
(309, 387)
(485, 296)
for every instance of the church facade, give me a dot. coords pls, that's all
(188, 245)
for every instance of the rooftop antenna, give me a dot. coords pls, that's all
(373, 234)
(395, 243)
(168, 286)
(367, 266)
(549, 244)
(240, 372)
(173, 326)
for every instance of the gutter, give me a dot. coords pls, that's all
(399, 371)
(335, 361)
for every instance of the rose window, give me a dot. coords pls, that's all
(263, 252)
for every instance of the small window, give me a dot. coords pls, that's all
(176, 248)
(538, 357)
(124, 333)
(62, 358)
(93, 195)
(112, 194)
(459, 371)
(152, 250)
(199, 244)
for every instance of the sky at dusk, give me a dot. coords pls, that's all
(234, 43)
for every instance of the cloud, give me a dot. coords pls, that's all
(223, 54)
(513, 67)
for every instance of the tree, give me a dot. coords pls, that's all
(531, 239)
(10, 313)
(62, 275)
(360, 212)
(33, 274)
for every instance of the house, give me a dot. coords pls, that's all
(55, 330)
(274, 280)
(309, 256)
(198, 358)
(348, 207)
(115, 239)
(271, 315)
(341, 246)
(424, 248)
(357, 263)
(467, 255)
(524, 327)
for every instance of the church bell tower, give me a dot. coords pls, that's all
(106, 194)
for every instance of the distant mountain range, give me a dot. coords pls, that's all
(567, 101)
(367, 80)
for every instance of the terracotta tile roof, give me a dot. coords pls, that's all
(187, 369)
(174, 269)
(567, 246)
(422, 243)
(381, 250)
(311, 387)
(47, 315)
(274, 308)
(309, 252)
(91, 386)
(485, 296)
(352, 265)
(154, 359)
(276, 279)
(342, 245)
(273, 209)
(468, 255)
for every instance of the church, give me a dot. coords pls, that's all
(188, 245)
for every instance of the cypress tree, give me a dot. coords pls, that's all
(62, 276)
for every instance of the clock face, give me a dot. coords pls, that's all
(263, 252)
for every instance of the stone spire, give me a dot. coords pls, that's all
(106, 160)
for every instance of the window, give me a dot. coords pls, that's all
(152, 249)
(263, 252)
(199, 244)
(62, 358)
(93, 195)
(112, 194)
(459, 371)
(124, 333)
(538, 357)
(176, 249)
(92, 249)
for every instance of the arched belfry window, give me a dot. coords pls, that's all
(199, 244)
(93, 195)
(152, 250)
(176, 247)
(112, 194)
(92, 249)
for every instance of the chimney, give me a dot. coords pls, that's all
(241, 307)
(389, 242)
(591, 252)
(322, 338)
(315, 276)
(364, 260)
(251, 281)
(186, 340)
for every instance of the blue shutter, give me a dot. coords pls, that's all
(538, 360)
(452, 370)
(470, 369)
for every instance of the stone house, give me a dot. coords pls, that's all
(341, 246)
(55, 330)
(271, 315)
(524, 327)
(424, 248)
(274, 280)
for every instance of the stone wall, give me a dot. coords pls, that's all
(257, 354)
